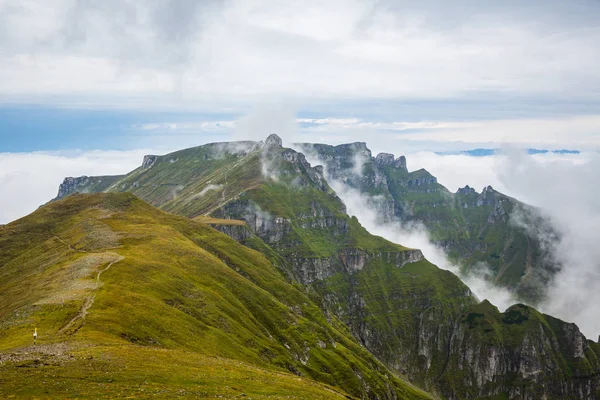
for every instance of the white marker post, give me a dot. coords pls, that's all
(34, 336)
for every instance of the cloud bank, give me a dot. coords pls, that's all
(225, 53)
(28, 180)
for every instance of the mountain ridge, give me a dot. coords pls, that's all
(418, 320)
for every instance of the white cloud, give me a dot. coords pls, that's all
(29, 180)
(237, 52)
(579, 132)
(568, 192)
(212, 126)
(571, 131)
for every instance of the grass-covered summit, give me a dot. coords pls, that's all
(130, 300)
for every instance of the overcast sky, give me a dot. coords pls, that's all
(126, 74)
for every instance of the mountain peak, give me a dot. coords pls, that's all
(388, 159)
(466, 190)
(384, 159)
(273, 140)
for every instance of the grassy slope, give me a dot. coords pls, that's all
(129, 371)
(176, 289)
(191, 182)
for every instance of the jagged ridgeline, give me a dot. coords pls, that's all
(320, 275)
(471, 227)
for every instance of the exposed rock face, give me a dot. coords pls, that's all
(273, 140)
(302, 167)
(388, 160)
(84, 184)
(487, 197)
(400, 163)
(466, 190)
(70, 185)
(353, 165)
(272, 229)
(384, 159)
(149, 161)
(529, 365)
(309, 270)
(239, 233)
(422, 181)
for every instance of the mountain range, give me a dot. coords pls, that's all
(233, 269)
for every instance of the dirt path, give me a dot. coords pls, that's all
(69, 245)
(89, 301)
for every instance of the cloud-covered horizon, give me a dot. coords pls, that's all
(428, 75)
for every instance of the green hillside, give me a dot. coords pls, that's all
(121, 292)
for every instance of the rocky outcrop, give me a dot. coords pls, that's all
(400, 163)
(149, 161)
(520, 354)
(388, 160)
(273, 140)
(498, 214)
(84, 184)
(487, 197)
(421, 181)
(302, 169)
(467, 190)
(309, 270)
(71, 185)
(384, 159)
(239, 233)
(274, 229)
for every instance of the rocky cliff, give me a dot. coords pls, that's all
(85, 184)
